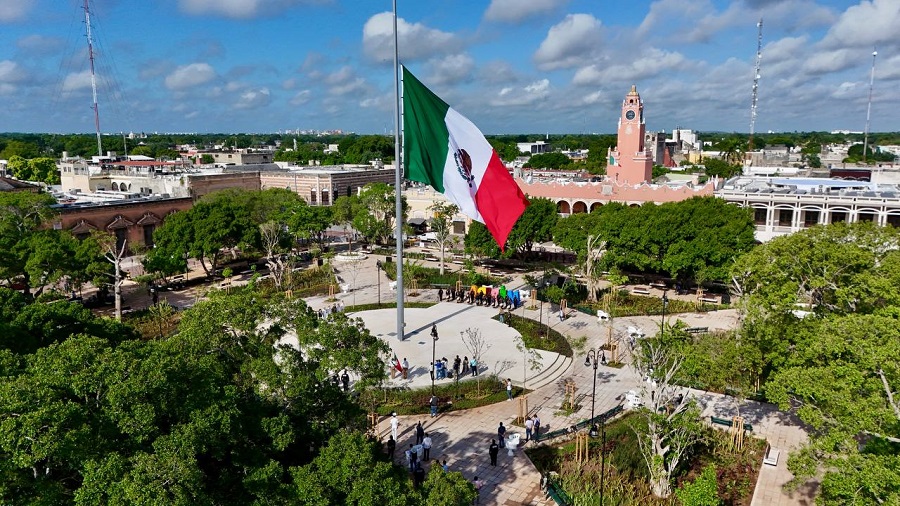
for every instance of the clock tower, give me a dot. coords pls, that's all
(630, 162)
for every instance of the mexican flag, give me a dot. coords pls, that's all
(397, 364)
(447, 151)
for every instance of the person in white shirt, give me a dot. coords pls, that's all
(426, 447)
(529, 425)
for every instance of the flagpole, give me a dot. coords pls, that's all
(398, 181)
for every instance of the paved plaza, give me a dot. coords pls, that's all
(463, 437)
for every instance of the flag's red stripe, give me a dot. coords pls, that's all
(499, 200)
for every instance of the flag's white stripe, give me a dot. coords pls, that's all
(464, 134)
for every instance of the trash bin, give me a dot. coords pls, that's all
(512, 442)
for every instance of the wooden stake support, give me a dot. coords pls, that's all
(569, 399)
(523, 408)
(737, 433)
(289, 294)
(331, 291)
(563, 306)
(533, 300)
(581, 447)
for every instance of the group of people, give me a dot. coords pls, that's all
(483, 296)
(338, 307)
(398, 367)
(417, 454)
(343, 380)
(441, 368)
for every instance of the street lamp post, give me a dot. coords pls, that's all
(434, 340)
(592, 359)
(378, 266)
(665, 303)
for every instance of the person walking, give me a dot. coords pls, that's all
(395, 423)
(434, 406)
(501, 435)
(405, 368)
(426, 447)
(478, 485)
(457, 363)
(493, 450)
(420, 433)
(537, 425)
(473, 364)
(445, 466)
(465, 365)
(345, 380)
(391, 446)
(529, 426)
(508, 389)
(418, 476)
(410, 455)
(440, 295)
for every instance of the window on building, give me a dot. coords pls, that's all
(148, 235)
(838, 216)
(785, 217)
(893, 220)
(312, 197)
(459, 227)
(810, 218)
(121, 237)
(866, 216)
(759, 216)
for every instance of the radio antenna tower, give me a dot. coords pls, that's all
(869, 108)
(95, 107)
(755, 94)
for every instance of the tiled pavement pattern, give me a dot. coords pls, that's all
(463, 437)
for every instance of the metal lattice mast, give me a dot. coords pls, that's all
(869, 107)
(755, 94)
(95, 107)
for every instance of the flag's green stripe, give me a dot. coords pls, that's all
(425, 133)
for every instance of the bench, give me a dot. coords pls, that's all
(771, 458)
(728, 422)
(556, 492)
(550, 435)
(641, 290)
(661, 286)
(711, 300)
(697, 330)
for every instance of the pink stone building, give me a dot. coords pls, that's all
(629, 173)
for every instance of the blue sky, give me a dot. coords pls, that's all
(511, 66)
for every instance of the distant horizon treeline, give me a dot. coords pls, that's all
(358, 147)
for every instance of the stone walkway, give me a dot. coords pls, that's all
(462, 438)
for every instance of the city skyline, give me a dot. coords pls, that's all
(512, 66)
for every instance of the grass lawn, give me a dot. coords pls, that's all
(466, 394)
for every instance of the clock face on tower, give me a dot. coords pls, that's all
(629, 115)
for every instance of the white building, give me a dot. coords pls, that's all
(783, 205)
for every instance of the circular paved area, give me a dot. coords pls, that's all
(500, 355)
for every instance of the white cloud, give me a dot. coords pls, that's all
(865, 25)
(77, 81)
(188, 76)
(416, 40)
(39, 44)
(254, 98)
(11, 72)
(569, 43)
(301, 97)
(451, 69)
(650, 63)
(531, 94)
(515, 11)
(593, 98)
(14, 10)
(824, 62)
(240, 9)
